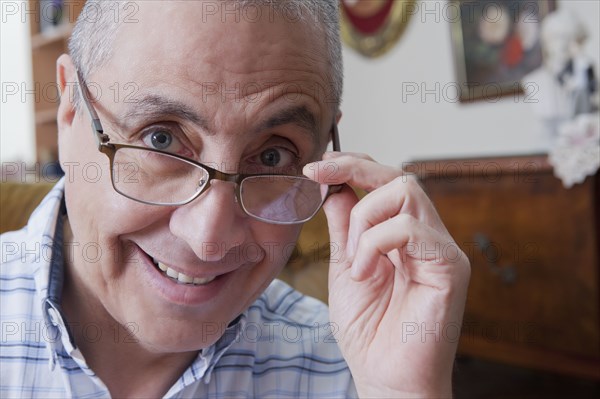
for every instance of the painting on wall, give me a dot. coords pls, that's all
(495, 44)
(373, 27)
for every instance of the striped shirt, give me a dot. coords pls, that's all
(282, 346)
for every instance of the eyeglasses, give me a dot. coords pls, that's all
(156, 177)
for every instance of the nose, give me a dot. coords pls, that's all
(213, 224)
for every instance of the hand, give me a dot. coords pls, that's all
(397, 280)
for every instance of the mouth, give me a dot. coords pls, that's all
(203, 287)
(181, 278)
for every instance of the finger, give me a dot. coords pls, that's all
(336, 154)
(337, 208)
(358, 172)
(414, 240)
(402, 195)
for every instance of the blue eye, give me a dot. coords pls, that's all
(270, 157)
(160, 139)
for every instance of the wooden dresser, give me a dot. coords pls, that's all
(534, 251)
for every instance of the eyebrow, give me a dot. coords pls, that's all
(156, 107)
(300, 116)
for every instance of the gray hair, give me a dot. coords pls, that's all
(90, 45)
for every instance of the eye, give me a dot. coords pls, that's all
(162, 139)
(277, 157)
(270, 157)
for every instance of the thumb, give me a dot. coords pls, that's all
(337, 208)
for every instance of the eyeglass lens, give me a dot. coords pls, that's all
(161, 179)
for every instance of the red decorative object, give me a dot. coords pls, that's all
(373, 27)
(512, 53)
(370, 23)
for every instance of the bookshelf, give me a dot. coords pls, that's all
(51, 23)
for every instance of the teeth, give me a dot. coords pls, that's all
(183, 278)
(172, 273)
(200, 281)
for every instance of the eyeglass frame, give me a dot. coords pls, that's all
(110, 149)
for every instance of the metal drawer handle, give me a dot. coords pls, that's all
(507, 272)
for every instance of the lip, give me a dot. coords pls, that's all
(181, 294)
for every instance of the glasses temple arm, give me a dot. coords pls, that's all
(96, 125)
(335, 138)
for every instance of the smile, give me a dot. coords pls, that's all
(188, 289)
(181, 278)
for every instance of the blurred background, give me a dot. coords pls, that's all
(492, 103)
(383, 115)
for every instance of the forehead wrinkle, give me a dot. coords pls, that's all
(157, 107)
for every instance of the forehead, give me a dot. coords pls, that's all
(204, 47)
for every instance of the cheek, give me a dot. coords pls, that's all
(96, 211)
(278, 243)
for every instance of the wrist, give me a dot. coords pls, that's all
(378, 392)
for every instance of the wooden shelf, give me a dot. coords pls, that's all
(45, 116)
(46, 47)
(58, 35)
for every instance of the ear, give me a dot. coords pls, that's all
(65, 77)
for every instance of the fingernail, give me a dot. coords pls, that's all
(310, 169)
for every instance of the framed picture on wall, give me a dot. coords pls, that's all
(495, 44)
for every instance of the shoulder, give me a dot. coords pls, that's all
(287, 336)
(280, 302)
(20, 255)
(20, 303)
(287, 324)
(26, 255)
(24, 358)
(30, 248)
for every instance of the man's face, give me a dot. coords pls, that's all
(236, 95)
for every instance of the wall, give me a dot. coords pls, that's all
(17, 142)
(379, 121)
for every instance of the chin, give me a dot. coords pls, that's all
(176, 336)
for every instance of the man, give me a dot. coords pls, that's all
(184, 249)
